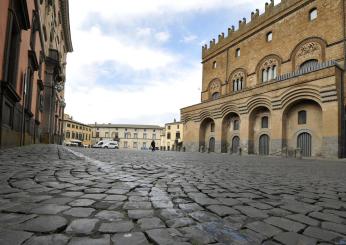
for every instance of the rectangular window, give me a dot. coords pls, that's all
(154, 136)
(73, 126)
(144, 136)
(135, 135)
(169, 127)
(301, 117)
(68, 135)
(144, 145)
(97, 135)
(125, 144)
(73, 135)
(178, 126)
(177, 135)
(265, 122)
(106, 135)
(212, 127)
(168, 136)
(69, 125)
(135, 144)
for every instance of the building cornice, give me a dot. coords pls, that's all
(64, 6)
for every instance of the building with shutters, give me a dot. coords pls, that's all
(76, 132)
(172, 136)
(129, 136)
(276, 85)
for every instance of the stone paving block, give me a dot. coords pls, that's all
(203, 216)
(341, 214)
(304, 219)
(116, 227)
(252, 236)
(196, 235)
(320, 234)
(44, 224)
(251, 212)
(79, 212)
(82, 226)
(326, 217)
(9, 237)
(167, 236)
(222, 210)
(300, 207)
(49, 209)
(93, 196)
(263, 228)
(179, 222)
(55, 239)
(81, 203)
(150, 223)
(138, 214)
(190, 207)
(339, 228)
(137, 205)
(292, 238)
(110, 215)
(135, 238)
(285, 224)
(104, 240)
(171, 213)
(118, 198)
(58, 200)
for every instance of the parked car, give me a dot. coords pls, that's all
(99, 144)
(111, 145)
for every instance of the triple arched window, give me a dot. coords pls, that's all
(238, 81)
(269, 70)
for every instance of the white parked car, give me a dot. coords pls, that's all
(99, 144)
(111, 145)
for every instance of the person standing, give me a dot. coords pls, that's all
(153, 145)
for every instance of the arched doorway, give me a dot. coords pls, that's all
(264, 145)
(206, 131)
(304, 142)
(212, 144)
(230, 127)
(259, 125)
(235, 144)
(302, 123)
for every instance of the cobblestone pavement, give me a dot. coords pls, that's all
(51, 195)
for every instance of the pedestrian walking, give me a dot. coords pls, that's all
(153, 145)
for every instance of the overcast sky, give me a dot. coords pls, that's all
(139, 61)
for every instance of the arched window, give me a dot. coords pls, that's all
(264, 122)
(214, 65)
(238, 80)
(236, 125)
(313, 14)
(237, 52)
(308, 63)
(269, 36)
(269, 70)
(215, 96)
(301, 117)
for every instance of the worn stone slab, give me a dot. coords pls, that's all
(138, 214)
(292, 238)
(222, 210)
(137, 205)
(167, 236)
(304, 219)
(197, 236)
(263, 228)
(326, 217)
(179, 222)
(251, 212)
(150, 223)
(104, 240)
(135, 238)
(9, 237)
(44, 224)
(81, 203)
(49, 209)
(55, 239)
(116, 227)
(79, 212)
(339, 228)
(320, 234)
(110, 215)
(285, 224)
(82, 226)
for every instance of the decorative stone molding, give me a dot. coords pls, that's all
(214, 87)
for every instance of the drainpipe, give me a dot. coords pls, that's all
(22, 131)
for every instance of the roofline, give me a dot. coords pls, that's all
(125, 126)
(66, 24)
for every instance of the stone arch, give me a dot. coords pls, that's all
(297, 93)
(206, 133)
(214, 87)
(255, 102)
(239, 73)
(268, 61)
(313, 48)
(204, 114)
(291, 128)
(228, 108)
(229, 131)
(255, 127)
(186, 118)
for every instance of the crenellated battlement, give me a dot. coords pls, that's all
(243, 26)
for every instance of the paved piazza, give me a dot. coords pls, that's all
(55, 195)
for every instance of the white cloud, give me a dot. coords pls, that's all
(162, 36)
(189, 38)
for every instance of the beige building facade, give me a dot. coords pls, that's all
(129, 136)
(76, 132)
(172, 136)
(276, 85)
